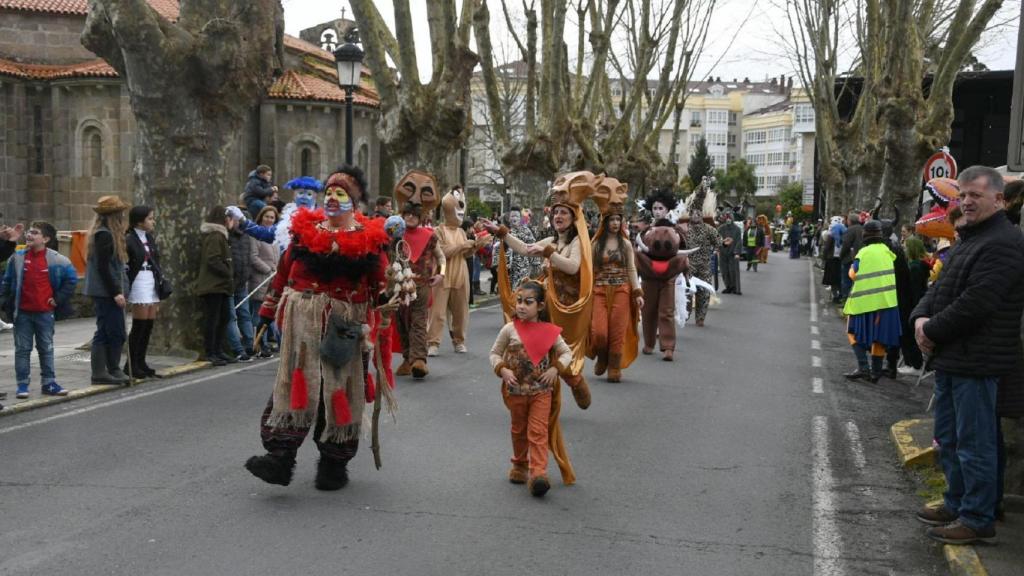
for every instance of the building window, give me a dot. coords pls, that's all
(309, 160)
(804, 113)
(363, 159)
(695, 118)
(732, 118)
(92, 152)
(732, 140)
(755, 137)
(718, 117)
(37, 139)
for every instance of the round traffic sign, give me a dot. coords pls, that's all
(940, 165)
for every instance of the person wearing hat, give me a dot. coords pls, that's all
(618, 297)
(106, 279)
(874, 323)
(322, 295)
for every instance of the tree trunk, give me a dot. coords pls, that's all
(191, 85)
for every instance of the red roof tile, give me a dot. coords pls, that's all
(90, 69)
(167, 8)
(294, 85)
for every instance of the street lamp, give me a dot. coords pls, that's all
(349, 60)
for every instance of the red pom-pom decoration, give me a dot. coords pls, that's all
(300, 391)
(342, 412)
(371, 388)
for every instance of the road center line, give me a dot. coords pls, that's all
(814, 300)
(825, 533)
(818, 385)
(816, 361)
(815, 345)
(814, 331)
(856, 448)
(125, 399)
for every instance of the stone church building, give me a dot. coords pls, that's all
(67, 133)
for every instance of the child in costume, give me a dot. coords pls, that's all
(322, 297)
(617, 293)
(451, 297)
(416, 193)
(528, 356)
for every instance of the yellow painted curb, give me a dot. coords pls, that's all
(911, 454)
(183, 369)
(963, 561)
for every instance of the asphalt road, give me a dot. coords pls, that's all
(726, 461)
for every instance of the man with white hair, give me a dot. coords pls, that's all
(969, 323)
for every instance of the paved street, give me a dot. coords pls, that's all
(747, 455)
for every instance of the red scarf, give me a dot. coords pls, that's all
(537, 337)
(417, 238)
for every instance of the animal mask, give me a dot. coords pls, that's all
(663, 242)
(945, 194)
(610, 196)
(417, 187)
(573, 188)
(453, 208)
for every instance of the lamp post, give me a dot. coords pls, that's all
(349, 60)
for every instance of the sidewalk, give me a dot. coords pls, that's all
(72, 366)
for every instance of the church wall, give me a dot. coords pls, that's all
(42, 38)
(13, 152)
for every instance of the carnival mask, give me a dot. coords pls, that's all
(305, 189)
(337, 201)
(305, 199)
(417, 187)
(453, 206)
(573, 188)
(515, 218)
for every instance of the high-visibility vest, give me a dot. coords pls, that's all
(751, 237)
(874, 287)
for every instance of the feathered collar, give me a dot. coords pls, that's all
(207, 227)
(368, 237)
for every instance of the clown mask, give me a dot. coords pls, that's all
(337, 201)
(305, 198)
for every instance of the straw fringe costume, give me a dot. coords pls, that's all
(613, 330)
(324, 279)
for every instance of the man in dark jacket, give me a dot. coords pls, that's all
(969, 322)
(258, 189)
(729, 254)
(240, 330)
(853, 241)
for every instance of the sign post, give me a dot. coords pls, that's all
(1015, 151)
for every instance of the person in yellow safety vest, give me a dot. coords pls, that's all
(874, 319)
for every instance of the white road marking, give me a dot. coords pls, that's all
(856, 448)
(815, 345)
(816, 361)
(825, 533)
(818, 385)
(814, 331)
(814, 300)
(125, 399)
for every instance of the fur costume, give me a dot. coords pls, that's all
(326, 276)
(613, 329)
(660, 259)
(451, 297)
(416, 194)
(704, 239)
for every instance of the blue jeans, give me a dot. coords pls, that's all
(965, 428)
(272, 334)
(240, 334)
(475, 271)
(37, 326)
(109, 323)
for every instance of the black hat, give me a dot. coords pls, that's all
(872, 229)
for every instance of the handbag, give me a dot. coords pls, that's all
(340, 341)
(164, 288)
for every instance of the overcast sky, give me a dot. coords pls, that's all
(743, 41)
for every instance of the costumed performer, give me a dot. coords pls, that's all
(874, 317)
(660, 259)
(567, 271)
(617, 293)
(520, 267)
(416, 195)
(528, 356)
(703, 237)
(305, 189)
(326, 284)
(451, 296)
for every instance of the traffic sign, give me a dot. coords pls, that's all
(940, 165)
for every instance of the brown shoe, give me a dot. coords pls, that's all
(614, 368)
(419, 369)
(601, 365)
(957, 533)
(648, 351)
(518, 474)
(539, 485)
(581, 393)
(936, 516)
(404, 369)
(668, 355)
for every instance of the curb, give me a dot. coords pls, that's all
(962, 560)
(911, 454)
(97, 389)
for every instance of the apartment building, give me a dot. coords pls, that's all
(778, 141)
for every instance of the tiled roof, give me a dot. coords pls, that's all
(303, 46)
(90, 69)
(167, 8)
(294, 85)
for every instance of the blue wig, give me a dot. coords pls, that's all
(305, 183)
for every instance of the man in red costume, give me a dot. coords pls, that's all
(322, 297)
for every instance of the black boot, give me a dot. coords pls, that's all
(114, 364)
(144, 348)
(876, 369)
(476, 289)
(100, 373)
(272, 468)
(132, 367)
(494, 284)
(331, 474)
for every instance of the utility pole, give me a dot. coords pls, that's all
(1015, 160)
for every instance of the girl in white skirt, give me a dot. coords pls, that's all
(143, 295)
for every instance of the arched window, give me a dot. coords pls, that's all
(307, 157)
(309, 160)
(363, 160)
(92, 152)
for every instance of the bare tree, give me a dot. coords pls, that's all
(601, 110)
(422, 125)
(191, 84)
